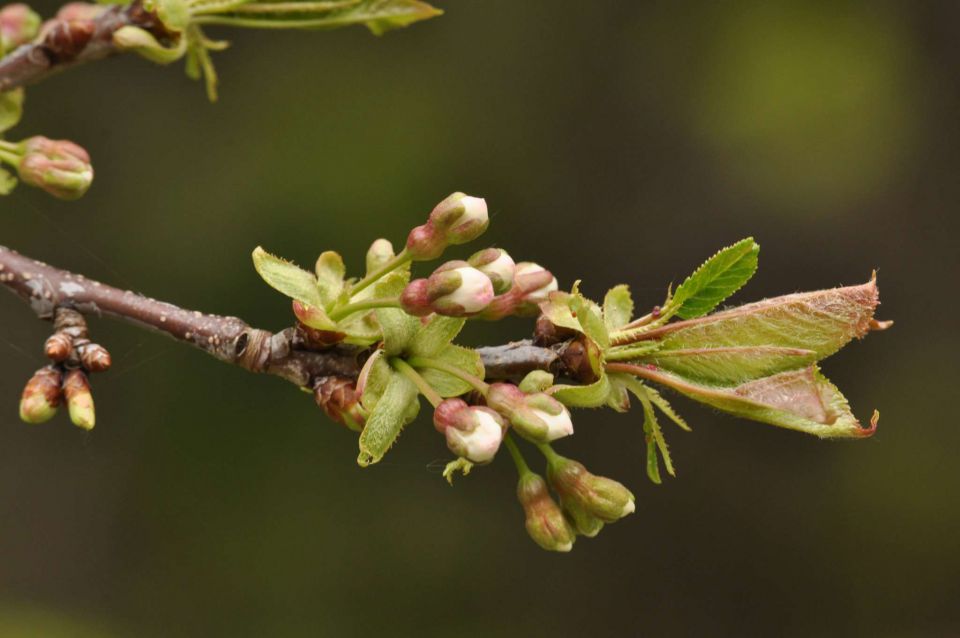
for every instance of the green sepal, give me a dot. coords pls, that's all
(593, 395)
(446, 384)
(11, 108)
(330, 271)
(288, 278)
(617, 307)
(460, 464)
(397, 406)
(718, 278)
(435, 336)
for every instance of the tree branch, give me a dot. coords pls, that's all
(285, 354)
(65, 43)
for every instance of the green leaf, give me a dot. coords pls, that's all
(287, 278)
(619, 398)
(593, 395)
(446, 384)
(379, 16)
(731, 365)
(631, 351)
(718, 278)
(617, 307)
(398, 328)
(375, 385)
(435, 336)
(398, 406)
(590, 317)
(330, 273)
(11, 108)
(657, 399)
(652, 431)
(822, 322)
(557, 310)
(7, 182)
(361, 329)
(802, 400)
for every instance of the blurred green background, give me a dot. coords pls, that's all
(615, 142)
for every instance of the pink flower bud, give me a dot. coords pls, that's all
(545, 523)
(455, 289)
(536, 284)
(456, 220)
(18, 25)
(59, 167)
(496, 264)
(472, 432)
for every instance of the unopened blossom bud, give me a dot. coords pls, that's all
(537, 416)
(456, 220)
(472, 432)
(58, 347)
(76, 389)
(18, 25)
(95, 357)
(536, 283)
(455, 289)
(583, 521)
(41, 396)
(604, 498)
(496, 264)
(545, 523)
(379, 253)
(76, 11)
(59, 167)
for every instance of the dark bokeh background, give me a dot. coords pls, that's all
(615, 141)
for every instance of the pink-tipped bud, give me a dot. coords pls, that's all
(454, 289)
(58, 347)
(18, 25)
(456, 220)
(535, 283)
(59, 167)
(472, 432)
(497, 265)
(545, 523)
(80, 11)
(76, 389)
(41, 396)
(601, 497)
(537, 416)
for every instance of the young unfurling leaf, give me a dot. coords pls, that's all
(617, 307)
(330, 273)
(397, 406)
(287, 277)
(718, 278)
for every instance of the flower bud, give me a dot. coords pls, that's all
(455, 289)
(496, 264)
(583, 521)
(536, 283)
(472, 432)
(59, 167)
(456, 220)
(41, 396)
(545, 523)
(18, 25)
(379, 253)
(76, 389)
(58, 347)
(604, 498)
(95, 357)
(79, 11)
(536, 416)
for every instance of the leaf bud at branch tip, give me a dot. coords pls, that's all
(472, 432)
(41, 396)
(76, 389)
(95, 357)
(545, 522)
(58, 347)
(59, 167)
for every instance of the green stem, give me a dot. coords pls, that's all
(425, 362)
(273, 7)
(389, 266)
(522, 468)
(386, 302)
(405, 369)
(10, 156)
(548, 452)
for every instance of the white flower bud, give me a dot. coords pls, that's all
(480, 444)
(529, 272)
(558, 425)
(474, 293)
